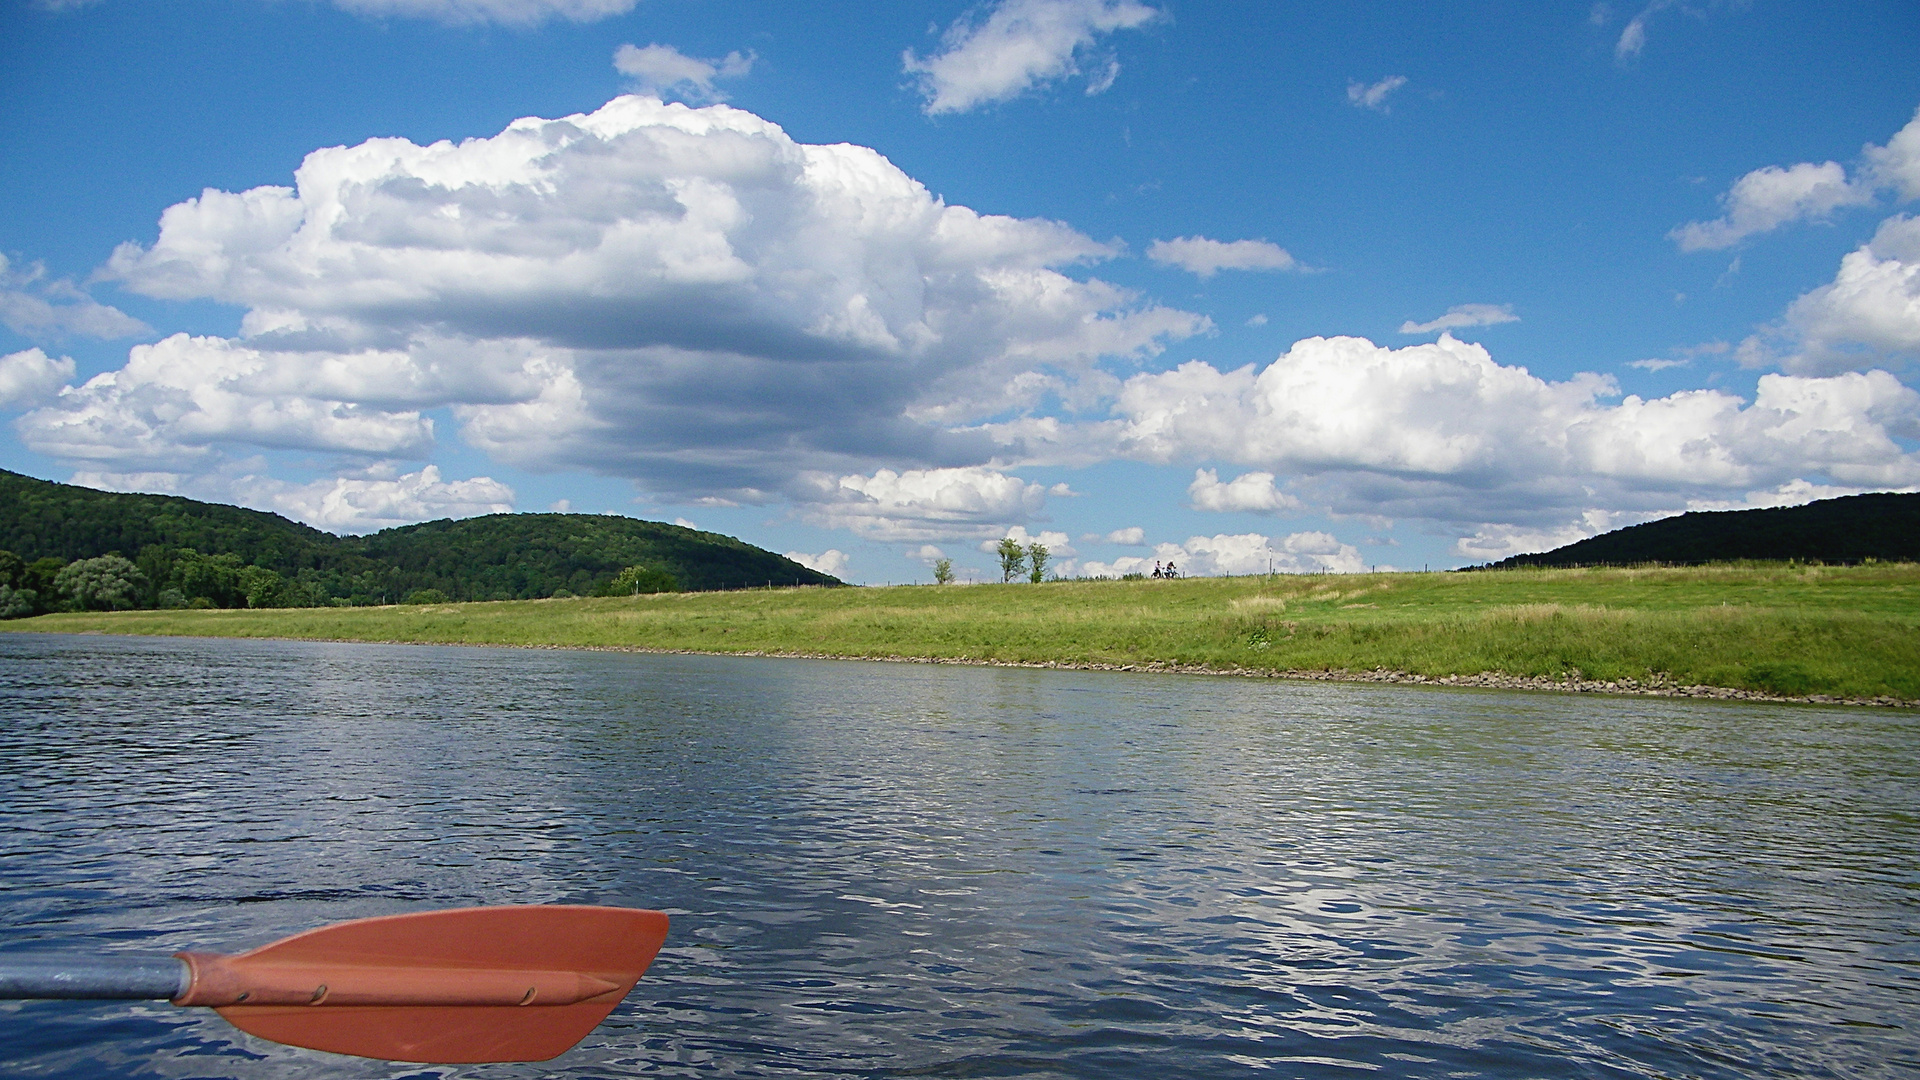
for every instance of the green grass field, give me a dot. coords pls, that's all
(1792, 630)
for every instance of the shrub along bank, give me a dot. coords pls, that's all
(1851, 632)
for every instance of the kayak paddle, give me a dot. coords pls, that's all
(522, 983)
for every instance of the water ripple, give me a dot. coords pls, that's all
(888, 871)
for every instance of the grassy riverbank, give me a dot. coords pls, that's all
(1844, 631)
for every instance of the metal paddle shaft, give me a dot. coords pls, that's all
(522, 983)
(99, 978)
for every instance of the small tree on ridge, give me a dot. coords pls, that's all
(1013, 558)
(1037, 562)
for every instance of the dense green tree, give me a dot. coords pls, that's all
(39, 577)
(635, 580)
(1037, 562)
(17, 603)
(943, 571)
(213, 578)
(1013, 558)
(104, 583)
(263, 588)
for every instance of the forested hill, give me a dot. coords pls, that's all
(206, 553)
(504, 556)
(42, 519)
(1885, 527)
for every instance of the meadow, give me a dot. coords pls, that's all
(1782, 629)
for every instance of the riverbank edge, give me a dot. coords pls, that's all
(1486, 680)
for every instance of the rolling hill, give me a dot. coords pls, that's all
(499, 557)
(1853, 529)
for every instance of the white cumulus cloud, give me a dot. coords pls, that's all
(832, 562)
(178, 398)
(1772, 196)
(1240, 554)
(658, 68)
(1463, 315)
(378, 498)
(1374, 95)
(682, 296)
(1441, 432)
(1058, 544)
(1494, 542)
(1249, 492)
(1897, 164)
(1199, 255)
(921, 504)
(1868, 315)
(1767, 198)
(31, 376)
(368, 504)
(1019, 45)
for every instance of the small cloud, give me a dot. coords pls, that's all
(30, 377)
(1020, 45)
(560, 506)
(663, 69)
(1601, 15)
(1250, 492)
(1632, 39)
(1131, 536)
(1463, 315)
(685, 524)
(1257, 320)
(1374, 96)
(36, 307)
(830, 562)
(1682, 356)
(1058, 544)
(1767, 198)
(1103, 82)
(1204, 257)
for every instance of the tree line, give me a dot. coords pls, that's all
(149, 551)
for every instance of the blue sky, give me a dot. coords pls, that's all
(1240, 286)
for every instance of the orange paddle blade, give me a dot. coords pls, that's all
(446, 987)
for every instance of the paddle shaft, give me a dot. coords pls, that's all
(100, 978)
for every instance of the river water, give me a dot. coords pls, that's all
(880, 870)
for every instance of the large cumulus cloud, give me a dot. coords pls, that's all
(696, 300)
(1868, 315)
(1443, 432)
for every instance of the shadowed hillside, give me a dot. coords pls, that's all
(230, 557)
(521, 556)
(1848, 530)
